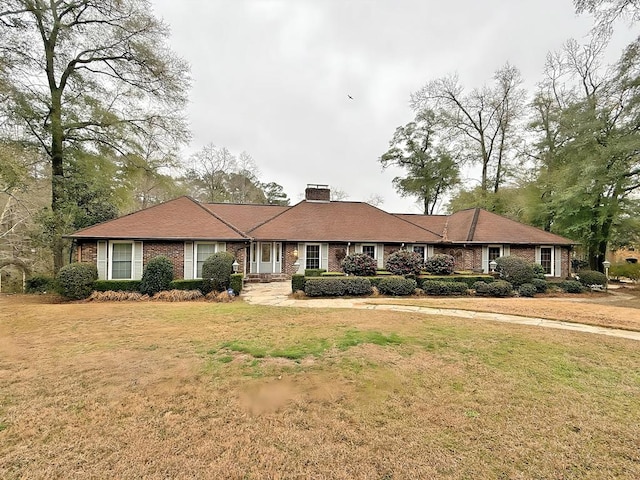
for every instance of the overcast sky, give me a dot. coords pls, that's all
(272, 77)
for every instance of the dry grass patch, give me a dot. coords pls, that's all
(157, 390)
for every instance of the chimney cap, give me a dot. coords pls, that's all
(317, 185)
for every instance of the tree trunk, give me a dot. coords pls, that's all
(57, 180)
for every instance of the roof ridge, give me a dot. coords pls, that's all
(289, 207)
(474, 224)
(231, 226)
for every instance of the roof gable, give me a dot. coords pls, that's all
(245, 216)
(182, 218)
(341, 221)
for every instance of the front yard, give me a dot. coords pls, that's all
(202, 390)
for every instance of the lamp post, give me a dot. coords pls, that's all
(606, 264)
(492, 266)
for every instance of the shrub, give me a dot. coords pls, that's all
(404, 262)
(397, 286)
(527, 290)
(332, 274)
(572, 286)
(297, 282)
(469, 280)
(591, 277)
(235, 283)
(515, 270)
(440, 264)
(157, 276)
(314, 272)
(336, 286)
(76, 280)
(359, 264)
(538, 271)
(435, 287)
(40, 284)
(116, 285)
(578, 264)
(216, 272)
(194, 284)
(626, 270)
(541, 285)
(499, 288)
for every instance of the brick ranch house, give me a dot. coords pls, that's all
(274, 242)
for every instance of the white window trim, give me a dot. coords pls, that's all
(319, 245)
(195, 256)
(110, 258)
(501, 247)
(375, 249)
(423, 245)
(553, 259)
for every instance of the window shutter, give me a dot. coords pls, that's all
(137, 261)
(358, 248)
(485, 259)
(380, 254)
(188, 260)
(101, 260)
(538, 256)
(324, 256)
(557, 272)
(302, 257)
(429, 251)
(221, 247)
(506, 250)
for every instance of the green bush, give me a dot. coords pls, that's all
(116, 285)
(440, 264)
(235, 283)
(157, 276)
(626, 270)
(435, 287)
(359, 264)
(591, 277)
(469, 280)
(538, 271)
(196, 284)
(314, 272)
(336, 286)
(404, 262)
(216, 272)
(397, 286)
(571, 286)
(333, 274)
(499, 288)
(542, 286)
(76, 280)
(297, 282)
(515, 270)
(527, 290)
(40, 284)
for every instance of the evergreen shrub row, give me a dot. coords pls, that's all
(337, 286)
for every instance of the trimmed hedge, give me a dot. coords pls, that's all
(217, 271)
(76, 280)
(359, 264)
(116, 285)
(337, 286)
(297, 282)
(571, 286)
(314, 272)
(397, 286)
(591, 277)
(468, 280)
(527, 290)
(157, 276)
(404, 262)
(499, 288)
(434, 287)
(187, 285)
(333, 274)
(236, 283)
(440, 264)
(40, 284)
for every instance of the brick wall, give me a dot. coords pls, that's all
(88, 252)
(174, 251)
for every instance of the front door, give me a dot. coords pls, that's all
(266, 257)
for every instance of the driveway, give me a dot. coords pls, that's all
(277, 294)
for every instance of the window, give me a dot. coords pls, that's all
(203, 251)
(421, 250)
(369, 250)
(546, 259)
(265, 250)
(121, 261)
(313, 256)
(494, 252)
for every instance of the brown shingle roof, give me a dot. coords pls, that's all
(433, 223)
(480, 226)
(245, 217)
(341, 221)
(182, 218)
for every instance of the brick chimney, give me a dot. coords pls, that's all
(317, 193)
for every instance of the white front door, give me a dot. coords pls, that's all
(266, 257)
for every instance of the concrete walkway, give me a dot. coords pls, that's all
(277, 294)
